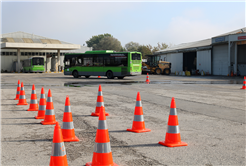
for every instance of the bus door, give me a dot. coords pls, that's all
(98, 67)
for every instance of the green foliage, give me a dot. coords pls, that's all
(145, 50)
(132, 46)
(96, 39)
(108, 43)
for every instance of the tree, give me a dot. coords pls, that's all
(162, 46)
(145, 50)
(108, 43)
(132, 46)
(96, 39)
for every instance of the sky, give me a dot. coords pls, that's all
(144, 22)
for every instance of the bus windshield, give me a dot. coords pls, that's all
(136, 56)
(38, 61)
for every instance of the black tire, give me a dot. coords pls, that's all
(75, 74)
(158, 71)
(166, 71)
(120, 77)
(87, 76)
(110, 75)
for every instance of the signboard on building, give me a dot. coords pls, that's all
(241, 37)
(219, 39)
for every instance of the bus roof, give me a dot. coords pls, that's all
(99, 51)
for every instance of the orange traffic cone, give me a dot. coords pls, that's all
(49, 117)
(99, 77)
(18, 90)
(244, 83)
(22, 97)
(58, 154)
(172, 135)
(147, 78)
(67, 127)
(100, 103)
(42, 105)
(231, 74)
(102, 155)
(138, 125)
(34, 101)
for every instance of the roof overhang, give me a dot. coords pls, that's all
(39, 46)
(184, 50)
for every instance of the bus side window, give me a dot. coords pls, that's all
(73, 61)
(67, 63)
(79, 62)
(87, 61)
(109, 61)
(98, 61)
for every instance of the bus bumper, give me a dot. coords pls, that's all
(135, 73)
(67, 73)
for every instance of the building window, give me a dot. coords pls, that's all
(14, 53)
(25, 53)
(22, 53)
(7, 53)
(3, 53)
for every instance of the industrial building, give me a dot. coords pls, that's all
(18, 46)
(220, 55)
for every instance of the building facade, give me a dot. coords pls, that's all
(220, 55)
(18, 46)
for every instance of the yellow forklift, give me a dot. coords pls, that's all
(155, 66)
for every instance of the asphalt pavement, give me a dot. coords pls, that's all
(210, 109)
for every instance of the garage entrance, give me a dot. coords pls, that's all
(241, 59)
(189, 61)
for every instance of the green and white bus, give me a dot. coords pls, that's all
(103, 63)
(34, 64)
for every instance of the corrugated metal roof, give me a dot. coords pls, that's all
(241, 30)
(23, 37)
(196, 44)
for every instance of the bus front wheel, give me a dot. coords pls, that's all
(110, 75)
(120, 77)
(75, 74)
(87, 76)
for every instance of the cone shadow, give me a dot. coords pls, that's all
(13, 110)
(20, 118)
(21, 123)
(118, 131)
(140, 145)
(32, 140)
(80, 115)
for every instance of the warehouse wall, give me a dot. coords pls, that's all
(204, 61)
(176, 60)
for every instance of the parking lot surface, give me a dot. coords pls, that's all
(210, 109)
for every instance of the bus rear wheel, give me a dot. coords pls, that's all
(110, 75)
(87, 76)
(75, 74)
(120, 77)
